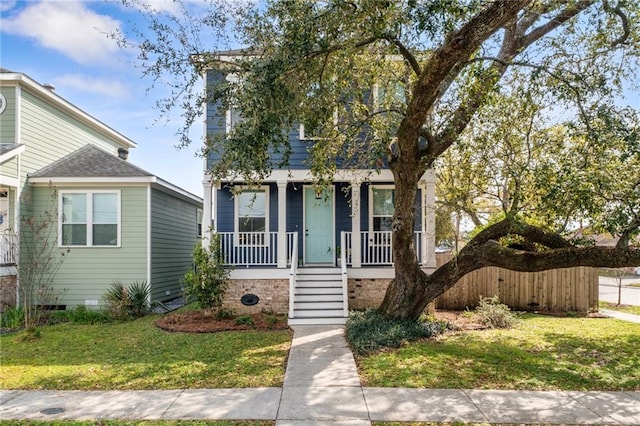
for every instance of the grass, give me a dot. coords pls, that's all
(629, 309)
(541, 353)
(136, 355)
(138, 423)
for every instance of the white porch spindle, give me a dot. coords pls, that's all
(282, 224)
(356, 246)
(207, 212)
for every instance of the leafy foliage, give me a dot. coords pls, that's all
(494, 314)
(368, 331)
(80, 315)
(128, 302)
(12, 317)
(209, 280)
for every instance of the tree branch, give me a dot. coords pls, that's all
(511, 226)
(623, 19)
(406, 53)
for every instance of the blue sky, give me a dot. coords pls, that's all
(63, 42)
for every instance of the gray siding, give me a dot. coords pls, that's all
(173, 238)
(87, 272)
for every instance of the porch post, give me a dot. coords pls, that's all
(282, 224)
(356, 246)
(428, 199)
(207, 210)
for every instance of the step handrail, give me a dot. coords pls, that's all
(345, 278)
(292, 273)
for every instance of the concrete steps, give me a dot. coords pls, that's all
(318, 297)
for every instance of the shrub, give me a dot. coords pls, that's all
(80, 315)
(131, 302)
(12, 317)
(209, 280)
(245, 320)
(222, 314)
(368, 331)
(493, 314)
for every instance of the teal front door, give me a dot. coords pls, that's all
(319, 244)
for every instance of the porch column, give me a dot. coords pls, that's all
(282, 224)
(356, 245)
(207, 209)
(428, 199)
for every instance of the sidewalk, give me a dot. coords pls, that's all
(322, 387)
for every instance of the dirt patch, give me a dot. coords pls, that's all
(203, 322)
(460, 320)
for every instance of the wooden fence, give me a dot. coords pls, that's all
(556, 290)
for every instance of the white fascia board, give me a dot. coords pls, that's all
(9, 181)
(37, 181)
(176, 190)
(19, 79)
(304, 175)
(10, 154)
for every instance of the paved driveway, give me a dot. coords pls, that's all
(609, 290)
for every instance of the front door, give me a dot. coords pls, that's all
(318, 224)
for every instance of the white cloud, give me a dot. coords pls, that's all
(68, 27)
(7, 5)
(107, 87)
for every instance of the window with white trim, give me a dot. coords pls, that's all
(89, 218)
(252, 216)
(381, 208)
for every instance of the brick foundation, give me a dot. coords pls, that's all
(273, 294)
(7, 291)
(366, 292)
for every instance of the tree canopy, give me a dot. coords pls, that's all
(521, 94)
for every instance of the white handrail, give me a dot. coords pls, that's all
(292, 273)
(345, 278)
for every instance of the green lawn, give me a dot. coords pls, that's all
(137, 355)
(541, 353)
(629, 309)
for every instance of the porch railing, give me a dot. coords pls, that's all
(254, 248)
(8, 249)
(377, 247)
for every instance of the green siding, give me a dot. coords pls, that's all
(87, 272)
(9, 168)
(173, 237)
(51, 134)
(8, 117)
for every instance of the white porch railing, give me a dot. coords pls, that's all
(293, 254)
(254, 248)
(8, 249)
(377, 247)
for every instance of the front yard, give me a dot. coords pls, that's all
(540, 353)
(137, 355)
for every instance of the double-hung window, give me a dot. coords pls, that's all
(252, 216)
(381, 208)
(90, 218)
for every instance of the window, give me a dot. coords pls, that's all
(381, 207)
(252, 216)
(233, 115)
(199, 223)
(90, 218)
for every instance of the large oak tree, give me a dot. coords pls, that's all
(401, 83)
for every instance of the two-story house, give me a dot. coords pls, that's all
(314, 255)
(118, 221)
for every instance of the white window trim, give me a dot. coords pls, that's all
(231, 78)
(236, 216)
(89, 222)
(303, 137)
(371, 230)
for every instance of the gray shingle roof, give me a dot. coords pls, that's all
(90, 161)
(6, 147)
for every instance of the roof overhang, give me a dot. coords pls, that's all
(19, 149)
(153, 181)
(49, 96)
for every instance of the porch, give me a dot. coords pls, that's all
(8, 249)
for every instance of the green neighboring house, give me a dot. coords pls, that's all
(119, 221)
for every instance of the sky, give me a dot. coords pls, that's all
(64, 43)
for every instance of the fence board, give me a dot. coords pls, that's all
(558, 290)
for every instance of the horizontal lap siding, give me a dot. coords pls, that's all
(173, 238)
(50, 134)
(8, 117)
(88, 272)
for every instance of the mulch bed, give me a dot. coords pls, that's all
(204, 322)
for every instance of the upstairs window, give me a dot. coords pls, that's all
(90, 219)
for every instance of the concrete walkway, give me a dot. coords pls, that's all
(322, 387)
